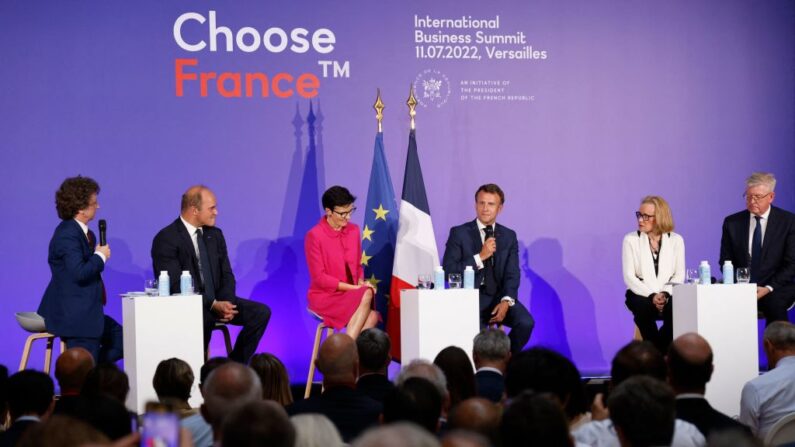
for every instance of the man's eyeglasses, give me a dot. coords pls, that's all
(645, 217)
(345, 214)
(755, 197)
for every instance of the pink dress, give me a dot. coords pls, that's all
(328, 252)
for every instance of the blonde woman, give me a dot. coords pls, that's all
(653, 256)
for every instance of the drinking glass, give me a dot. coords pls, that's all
(424, 281)
(692, 276)
(454, 280)
(743, 275)
(150, 287)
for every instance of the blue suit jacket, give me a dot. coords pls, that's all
(72, 304)
(464, 243)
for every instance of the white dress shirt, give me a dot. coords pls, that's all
(193, 236)
(479, 262)
(84, 227)
(752, 227)
(603, 434)
(769, 397)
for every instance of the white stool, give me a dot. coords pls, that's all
(318, 334)
(33, 322)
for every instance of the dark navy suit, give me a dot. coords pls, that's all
(462, 245)
(72, 304)
(777, 263)
(172, 250)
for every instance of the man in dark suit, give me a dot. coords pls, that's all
(373, 346)
(492, 251)
(193, 243)
(762, 238)
(348, 409)
(689, 369)
(491, 352)
(30, 400)
(72, 304)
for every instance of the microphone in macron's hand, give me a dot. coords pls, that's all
(489, 230)
(103, 228)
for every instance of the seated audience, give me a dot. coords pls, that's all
(107, 379)
(643, 412)
(351, 411)
(535, 419)
(259, 423)
(172, 382)
(477, 415)
(771, 396)
(227, 388)
(71, 370)
(373, 345)
(457, 369)
(401, 434)
(273, 376)
(105, 414)
(463, 438)
(689, 369)
(432, 373)
(491, 351)
(30, 401)
(62, 431)
(542, 370)
(415, 400)
(315, 430)
(200, 430)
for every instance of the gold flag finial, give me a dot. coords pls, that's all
(412, 103)
(379, 109)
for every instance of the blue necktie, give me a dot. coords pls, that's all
(204, 266)
(756, 249)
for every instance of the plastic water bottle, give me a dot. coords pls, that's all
(163, 284)
(704, 275)
(186, 283)
(469, 277)
(438, 278)
(728, 272)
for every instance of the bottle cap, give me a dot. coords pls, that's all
(704, 263)
(439, 268)
(469, 267)
(186, 272)
(727, 262)
(163, 272)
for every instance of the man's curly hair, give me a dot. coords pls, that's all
(74, 195)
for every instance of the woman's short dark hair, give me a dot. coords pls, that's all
(74, 195)
(173, 378)
(337, 196)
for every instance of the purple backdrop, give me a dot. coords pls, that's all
(681, 99)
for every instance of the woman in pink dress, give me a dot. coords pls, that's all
(337, 289)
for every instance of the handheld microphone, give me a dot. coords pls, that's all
(103, 228)
(489, 230)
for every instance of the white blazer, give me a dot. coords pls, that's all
(638, 264)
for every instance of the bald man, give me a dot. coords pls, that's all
(193, 243)
(350, 410)
(228, 388)
(689, 369)
(71, 370)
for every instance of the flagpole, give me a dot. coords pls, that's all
(412, 103)
(379, 109)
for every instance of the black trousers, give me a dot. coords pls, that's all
(774, 305)
(517, 318)
(253, 316)
(108, 348)
(646, 316)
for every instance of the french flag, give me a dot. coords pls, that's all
(415, 251)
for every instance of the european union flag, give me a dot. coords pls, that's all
(380, 227)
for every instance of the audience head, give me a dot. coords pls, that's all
(210, 366)
(338, 360)
(464, 438)
(428, 371)
(401, 434)
(62, 431)
(256, 424)
(457, 369)
(543, 370)
(71, 370)
(477, 415)
(273, 377)
(642, 409)
(227, 388)
(173, 380)
(636, 358)
(689, 364)
(108, 379)
(105, 413)
(30, 393)
(537, 419)
(315, 430)
(74, 195)
(415, 400)
(663, 221)
(491, 347)
(779, 341)
(759, 192)
(373, 345)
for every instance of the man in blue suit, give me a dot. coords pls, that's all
(72, 304)
(493, 252)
